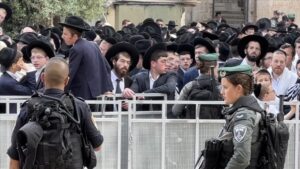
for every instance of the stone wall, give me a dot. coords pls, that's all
(265, 8)
(203, 11)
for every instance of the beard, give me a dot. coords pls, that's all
(252, 58)
(122, 72)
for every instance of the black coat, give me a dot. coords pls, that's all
(89, 76)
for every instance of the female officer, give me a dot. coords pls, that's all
(240, 134)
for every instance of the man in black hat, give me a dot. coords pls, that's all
(156, 79)
(5, 12)
(40, 51)
(249, 29)
(11, 61)
(122, 57)
(142, 46)
(171, 26)
(105, 44)
(89, 76)
(252, 48)
(187, 58)
(202, 46)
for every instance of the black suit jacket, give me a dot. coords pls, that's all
(166, 84)
(10, 86)
(38, 84)
(89, 76)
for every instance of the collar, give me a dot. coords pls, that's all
(114, 77)
(14, 76)
(53, 91)
(151, 78)
(245, 101)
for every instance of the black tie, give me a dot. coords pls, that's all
(118, 88)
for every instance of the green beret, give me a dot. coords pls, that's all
(209, 57)
(291, 16)
(225, 71)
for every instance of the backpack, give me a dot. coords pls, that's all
(275, 135)
(202, 92)
(52, 137)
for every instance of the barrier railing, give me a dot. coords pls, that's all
(133, 141)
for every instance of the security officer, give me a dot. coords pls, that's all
(240, 135)
(205, 83)
(55, 79)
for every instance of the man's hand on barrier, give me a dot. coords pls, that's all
(108, 93)
(128, 93)
(124, 105)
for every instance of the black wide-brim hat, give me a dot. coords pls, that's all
(222, 27)
(7, 9)
(149, 53)
(171, 23)
(249, 26)
(171, 46)
(209, 35)
(187, 48)
(263, 23)
(7, 56)
(257, 38)
(41, 44)
(150, 27)
(205, 42)
(76, 23)
(123, 47)
(143, 45)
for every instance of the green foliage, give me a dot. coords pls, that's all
(35, 12)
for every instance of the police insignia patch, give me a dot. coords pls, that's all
(239, 132)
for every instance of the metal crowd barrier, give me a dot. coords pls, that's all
(135, 141)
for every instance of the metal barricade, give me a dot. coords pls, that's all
(133, 141)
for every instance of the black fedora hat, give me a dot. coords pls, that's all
(43, 43)
(7, 56)
(150, 27)
(171, 46)
(26, 37)
(187, 48)
(123, 47)
(149, 53)
(143, 45)
(135, 38)
(209, 35)
(222, 27)
(7, 9)
(257, 38)
(56, 39)
(171, 23)
(249, 26)
(263, 23)
(76, 23)
(205, 42)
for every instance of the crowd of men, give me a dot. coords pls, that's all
(154, 57)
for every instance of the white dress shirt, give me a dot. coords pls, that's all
(114, 78)
(282, 83)
(152, 80)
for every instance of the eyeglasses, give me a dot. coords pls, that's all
(37, 57)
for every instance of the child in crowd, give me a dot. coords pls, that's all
(264, 92)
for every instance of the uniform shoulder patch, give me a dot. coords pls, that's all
(239, 132)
